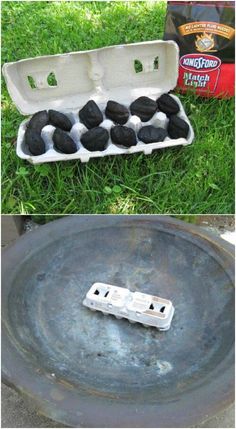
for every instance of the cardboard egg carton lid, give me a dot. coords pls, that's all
(149, 310)
(65, 82)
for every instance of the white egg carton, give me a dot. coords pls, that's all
(100, 75)
(138, 307)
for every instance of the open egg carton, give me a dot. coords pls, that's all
(66, 83)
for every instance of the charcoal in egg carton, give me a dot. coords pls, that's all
(159, 120)
(103, 75)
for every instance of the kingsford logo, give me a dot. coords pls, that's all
(194, 62)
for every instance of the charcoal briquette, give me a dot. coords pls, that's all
(90, 115)
(144, 108)
(117, 112)
(150, 134)
(95, 139)
(123, 136)
(34, 142)
(38, 121)
(168, 105)
(63, 142)
(59, 120)
(177, 128)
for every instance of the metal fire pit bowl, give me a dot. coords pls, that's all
(87, 370)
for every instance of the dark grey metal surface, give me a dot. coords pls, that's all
(83, 369)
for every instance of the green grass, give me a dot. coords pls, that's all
(194, 179)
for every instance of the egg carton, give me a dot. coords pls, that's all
(138, 307)
(67, 82)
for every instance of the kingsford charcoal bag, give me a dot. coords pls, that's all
(204, 31)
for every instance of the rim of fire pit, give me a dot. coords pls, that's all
(63, 402)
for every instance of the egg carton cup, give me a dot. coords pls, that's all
(102, 74)
(149, 310)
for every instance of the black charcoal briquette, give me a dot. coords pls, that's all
(90, 115)
(63, 142)
(144, 108)
(38, 121)
(95, 139)
(34, 142)
(177, 128)
(152, 134)
(59, 120)
(168, 105)
(123, 136)
(117, 112)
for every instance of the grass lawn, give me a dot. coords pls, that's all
(194, 179)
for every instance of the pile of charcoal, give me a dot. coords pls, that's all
(96, 138)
